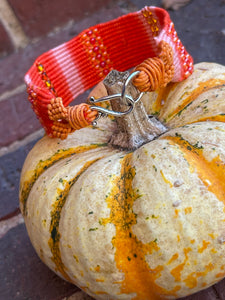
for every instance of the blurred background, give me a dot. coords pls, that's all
(27, 29)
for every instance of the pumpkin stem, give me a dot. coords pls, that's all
(135, 128)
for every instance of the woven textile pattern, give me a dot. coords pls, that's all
(77, 65)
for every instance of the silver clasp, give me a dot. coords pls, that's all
(124, 95)
(104, 111)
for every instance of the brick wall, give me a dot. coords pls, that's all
(32, 19)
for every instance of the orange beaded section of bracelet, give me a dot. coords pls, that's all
(70, 118)
(96, 52)
(155, 72)
(151, 21)
(187, 63)
(45, 78)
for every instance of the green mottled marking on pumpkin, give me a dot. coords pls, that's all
(55, 219)
(154, 167)
(76, 258)
(93, 229)
(45, 164)
(180, 112)
(191, 97)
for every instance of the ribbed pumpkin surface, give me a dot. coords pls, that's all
(147, 224)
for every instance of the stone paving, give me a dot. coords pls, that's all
(201, 27)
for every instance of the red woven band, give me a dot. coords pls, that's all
(73, 67)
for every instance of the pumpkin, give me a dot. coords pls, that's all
(147, 223)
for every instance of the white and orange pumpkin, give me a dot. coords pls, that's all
(141, 224)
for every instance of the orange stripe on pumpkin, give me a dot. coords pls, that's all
(99, 280)
(100, 293)
(216, 118)
(203, 87)
(162, 96)
(173, 258)
(204, 246)
(130, 252)
(211, 172)
(176, 272)
(191, 280)
(220, 275)
(165, 179)
(188, 210)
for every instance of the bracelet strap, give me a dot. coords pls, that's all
(77, 65)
